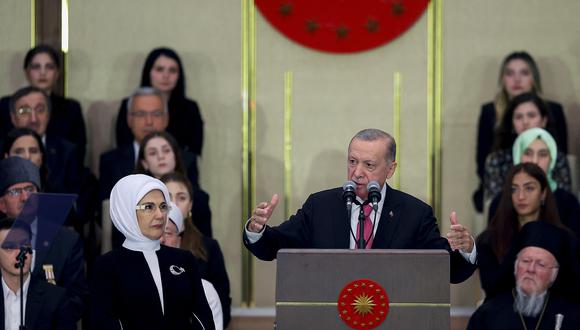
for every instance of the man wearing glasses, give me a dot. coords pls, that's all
(30, 107)
(62, 263)
(543, 267)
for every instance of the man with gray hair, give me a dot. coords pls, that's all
(545, 252)
(394, 221)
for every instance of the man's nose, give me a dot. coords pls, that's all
(33, 116)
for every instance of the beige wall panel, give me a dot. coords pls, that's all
(14, 41)
(108, 44)
(334, 96)
(477, 36)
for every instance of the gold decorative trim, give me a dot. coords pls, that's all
(331, 304)
(288, 81)
(434, 103)
(248, 138)
(397, 124)
(32, 23)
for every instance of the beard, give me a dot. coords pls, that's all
(529, 305)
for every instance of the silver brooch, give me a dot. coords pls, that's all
(176, 270)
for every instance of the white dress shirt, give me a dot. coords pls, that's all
(12, 305)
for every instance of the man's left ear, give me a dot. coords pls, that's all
(391, 169)
(2, 205)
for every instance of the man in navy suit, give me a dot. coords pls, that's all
(30, 107)
(45, 305)
(400, 222)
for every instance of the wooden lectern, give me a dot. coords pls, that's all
(309, 282)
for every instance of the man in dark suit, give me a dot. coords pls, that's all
(30, 107)
(45, 305)
(401, 221)
(62, 263)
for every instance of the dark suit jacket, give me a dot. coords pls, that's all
(62, 165)
(66, 255)
(46, 308)
(124, 293)
(66, 121)
(322, 223)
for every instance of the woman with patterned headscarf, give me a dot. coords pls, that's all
(143, 284)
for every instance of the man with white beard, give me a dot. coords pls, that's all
(544, 252)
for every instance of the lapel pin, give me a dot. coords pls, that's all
(176, 270)
(391, 214)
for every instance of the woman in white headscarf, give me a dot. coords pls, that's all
(144, 285)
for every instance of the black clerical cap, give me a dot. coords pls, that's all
(546, 236)
(15, 170)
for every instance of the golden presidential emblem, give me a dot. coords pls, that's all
(363, 304)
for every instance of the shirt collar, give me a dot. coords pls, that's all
(7, 291)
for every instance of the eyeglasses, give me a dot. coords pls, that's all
(16, 192)
(538, 263)
(142, 114)
(150, 208)
(26, 111)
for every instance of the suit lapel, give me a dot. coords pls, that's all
(33, 304)
(340, 223)
(390, 219)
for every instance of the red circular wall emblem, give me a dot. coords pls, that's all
(342, 26)
(363, 304)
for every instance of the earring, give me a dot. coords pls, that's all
(189, 215)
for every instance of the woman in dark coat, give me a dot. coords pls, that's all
(144, 285)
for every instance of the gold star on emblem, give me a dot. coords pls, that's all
(397, 8)
(342, 32)
(372, 26)
(285, 9)
(363, 304)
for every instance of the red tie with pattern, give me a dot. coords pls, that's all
(368, 227)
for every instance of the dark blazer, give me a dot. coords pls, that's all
(185, 124)
(214, 271)
(486, 138)
(66, 255)
(124, 293)
(322, 223)
(66, 121)
(62, 165)
(46, 308)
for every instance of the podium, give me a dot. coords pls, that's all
(309, 283)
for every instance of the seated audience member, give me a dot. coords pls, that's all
(45, 305)
(537, 146)
(25, 143)
(543, 256)
(205, 249)
(62, 263)
(30, 108)
(526, 197)
(518, 74)
(159, 155)
(525, 111)
(42, 69)
(174, 229)
(163, 71)
(143, 284)
(323, 223)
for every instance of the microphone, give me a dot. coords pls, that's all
(348, 195)
(374, 191)
(22, 256)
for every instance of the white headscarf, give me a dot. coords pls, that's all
(125, 195)
(176, 217)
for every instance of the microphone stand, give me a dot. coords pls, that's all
(20, 264)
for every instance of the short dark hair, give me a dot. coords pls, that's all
(39, 49)
(373, 134)
(22, 92)
(11, 223)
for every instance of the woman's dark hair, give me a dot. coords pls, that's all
(192, 238)
(506, 135)
(53, 53)
(17, 133)
(178, 93)
(505, 224)
(179, 165)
